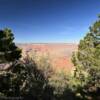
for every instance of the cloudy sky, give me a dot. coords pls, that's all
(42, 21)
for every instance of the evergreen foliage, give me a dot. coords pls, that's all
(87, 62)
(8, 50)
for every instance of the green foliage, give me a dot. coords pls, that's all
(8, 50)
(87, 62)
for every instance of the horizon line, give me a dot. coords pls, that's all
(46, 43)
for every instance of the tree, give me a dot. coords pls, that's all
(23, 78)
(87, 61)
(8, 50)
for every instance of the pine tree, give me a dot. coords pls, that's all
(8, 50)
(87, 59)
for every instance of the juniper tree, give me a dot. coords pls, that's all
(87, 58)
(8, 50)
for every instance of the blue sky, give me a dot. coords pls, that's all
(42, 21)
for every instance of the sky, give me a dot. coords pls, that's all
(48, 21)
